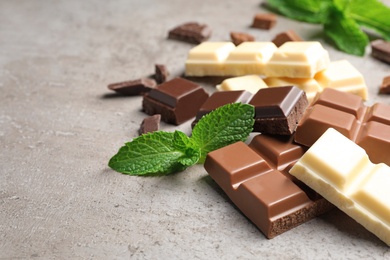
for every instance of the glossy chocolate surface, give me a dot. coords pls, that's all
(256, 179)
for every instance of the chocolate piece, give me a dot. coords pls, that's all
(287, 36)
(218, 99)
(380, 50)
(255, 179)
(239, 37)
(177, 100)
(264, 21)
(161, 73)
(150, 124)
(191, 32)
(133, 87)
(369, 127)
(278, 110)
(385, 86)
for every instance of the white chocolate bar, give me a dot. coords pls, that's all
(297, 60)
(342, 76)
(250, 83)
(340, 171)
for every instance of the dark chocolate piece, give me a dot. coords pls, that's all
(256, 179)
(161, 73)
(150, 124)
(220, 98)
(239, 37)
(191, 32)
(287, 36)
(369, 127)
(177, 100)
(133, 87)
(264, 21)
(385, 86)
(380, 50)
(279, 109)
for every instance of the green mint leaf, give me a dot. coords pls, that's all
(155, 153)
(312, 11)
(372, 14)
(223, 126)
(345, 32)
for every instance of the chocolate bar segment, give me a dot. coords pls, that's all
(287, 36)
(264, 21)
(259, 186)
(191, 32)
(278, 110)
(380, 50)
(385, 86)
(177, 100)
(133, 87)
(239, 37)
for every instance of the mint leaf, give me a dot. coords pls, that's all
(223, 126)
(345, 32)
(312, 11)
(156, 153)
(372, 14)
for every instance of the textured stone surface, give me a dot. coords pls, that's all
(59, 125)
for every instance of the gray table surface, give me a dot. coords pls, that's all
(59, 126)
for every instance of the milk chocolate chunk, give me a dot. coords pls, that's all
(385, 86)
(264, 21)
(191, 32)
(177, 100)
(220, 98)
(150, 124)
(239, 37)
(161, 73)
(380, 50)
(287, 36)
(256, 182)
(133, 87)
(369, 127)
(279, 109)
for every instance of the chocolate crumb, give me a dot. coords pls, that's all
(191, 32)
(264, 21)
(133, 87)
(239, 37)
(287, 36)
(161, 73)
(385, 87)
(150, 124)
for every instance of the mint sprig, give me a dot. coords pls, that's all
(342, 19)
(161, 153)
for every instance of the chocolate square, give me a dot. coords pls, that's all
(264, 21)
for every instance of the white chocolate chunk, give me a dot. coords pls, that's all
(343, 76)
(250, 83)
(339, 170)
(297, 60)
(310, 86)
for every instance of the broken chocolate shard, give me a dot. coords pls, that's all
(264, 21)
(380, 50)
(191, 32)
(287, 36)
(177, 100)
(150, 124)
(385, 86)
(133, 87)
(161, 73)
(239, 37)
(278, 110)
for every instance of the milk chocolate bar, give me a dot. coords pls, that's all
(256, 179)
(191, 32)
(133, 87)
(369, 127)
(341, 172)
(278, 110)
(287, 36)
(264, 21)
(177, 100)
(380, 50)
(239, 37)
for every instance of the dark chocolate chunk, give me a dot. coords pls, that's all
(161, 73)
(279, 109)
(220, 98)
(287, 36)
(239, 37)
(264, 21)
(191, 32)
(380, 50)
(150, 124)
(256, 179)
(177, 100)
(385, 86)
(133, 87)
